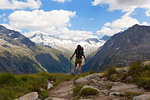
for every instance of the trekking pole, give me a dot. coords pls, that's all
(70, 67)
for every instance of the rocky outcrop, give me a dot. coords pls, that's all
(29, 96)
(110, 89)
(145, 96)
(85, 80)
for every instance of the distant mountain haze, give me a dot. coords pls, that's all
(121, 49)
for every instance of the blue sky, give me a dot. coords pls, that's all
(73, 19)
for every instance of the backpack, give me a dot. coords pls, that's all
(79, 53)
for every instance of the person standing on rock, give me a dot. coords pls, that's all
(79, 52)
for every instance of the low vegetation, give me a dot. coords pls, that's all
(88, 91)
(139, 74)
(77, 89)
(14, 86)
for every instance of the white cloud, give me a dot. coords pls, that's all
(127, 6)
(41, 20)
(76, 34)
(124, 5)
(55, 22)
(61, 1)
(17, 4)
(119, 25)
(10, 27)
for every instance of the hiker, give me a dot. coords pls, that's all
(78, 61)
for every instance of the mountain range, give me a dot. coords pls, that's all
(18, 54)
(121, 49)
(68, 46)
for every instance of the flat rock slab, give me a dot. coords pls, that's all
(123, 87)
(100, 96)
(52, 98)
(63, 90)
(30, 96)
(145, 96)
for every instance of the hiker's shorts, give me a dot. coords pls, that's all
(78, 61)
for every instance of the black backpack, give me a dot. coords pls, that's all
(79, 53)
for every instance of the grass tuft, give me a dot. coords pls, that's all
(88, 92)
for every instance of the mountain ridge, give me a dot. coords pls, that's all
(122, 49)
(20, 55)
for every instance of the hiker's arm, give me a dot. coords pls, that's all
(72, 56)
(84, 58)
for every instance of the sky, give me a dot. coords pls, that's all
(73, 19)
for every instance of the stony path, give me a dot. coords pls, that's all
(63, 90)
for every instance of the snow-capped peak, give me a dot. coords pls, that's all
(90, 45)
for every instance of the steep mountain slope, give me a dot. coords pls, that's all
(105, 38)
(20, 55)
(90, 45)
(123, 48)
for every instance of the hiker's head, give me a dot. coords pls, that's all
(79, 47)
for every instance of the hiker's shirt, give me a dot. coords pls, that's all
(81, 54)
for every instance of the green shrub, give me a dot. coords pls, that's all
(144, 82)
(89, 91)
(77, 89)
(135, 68)
(123, 76)
(111, 70)
(44, 94)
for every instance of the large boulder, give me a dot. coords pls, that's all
(30, 96)
(86, 80)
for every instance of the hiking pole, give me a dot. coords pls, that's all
(70, 67)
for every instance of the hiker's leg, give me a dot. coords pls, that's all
(80, 63)
(75, 65)
(79, 69)
(74, 68)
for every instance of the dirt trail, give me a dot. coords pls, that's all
(63, 90)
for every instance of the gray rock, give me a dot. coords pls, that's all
(129, 79)
(86, 80)
(123, 87)
(105, 91)
(116, 93)
(82, 81)
(30, 96)
(53, 98)
(123, 70)
(49, 85)
(145, 96)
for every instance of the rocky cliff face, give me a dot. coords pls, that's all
(20, 55)
(123, 48)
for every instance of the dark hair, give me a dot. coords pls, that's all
(79, 47)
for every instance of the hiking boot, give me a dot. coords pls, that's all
(72, 73)
(78, 74)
